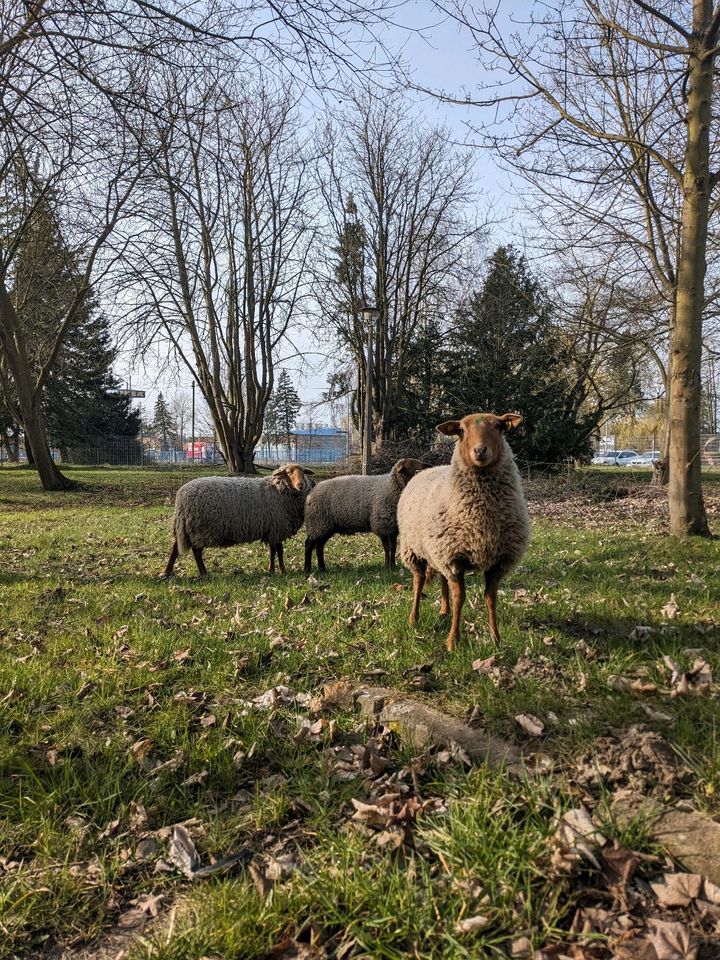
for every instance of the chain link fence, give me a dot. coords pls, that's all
(644, 447)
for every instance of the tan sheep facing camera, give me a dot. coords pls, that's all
(471, 515)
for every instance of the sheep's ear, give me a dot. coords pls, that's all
(403, 471)
(511, 420)
(310, 473)
(451, 428)
(280, 476)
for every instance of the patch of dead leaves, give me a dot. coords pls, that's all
(695, 682)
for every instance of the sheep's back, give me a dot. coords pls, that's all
(222, 511)
(341, 505)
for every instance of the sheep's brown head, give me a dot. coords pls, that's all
(480, 437)
(293, 476)
(406, 469)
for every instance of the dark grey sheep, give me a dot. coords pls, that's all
(223, 511)
(356, 504)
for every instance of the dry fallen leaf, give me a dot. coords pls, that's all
(339, 695)
(695, 682)
(671, 609)
(148, 903)
(677, 889)
(630, 684)
(484, 666)
(472, 924)
(530, 724)
(672, 941)
(576, 837)
(182, 852)
(146, 849)
(195, 779)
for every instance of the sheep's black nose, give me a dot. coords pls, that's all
(480, 452)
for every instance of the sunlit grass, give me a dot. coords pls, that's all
(97, 655)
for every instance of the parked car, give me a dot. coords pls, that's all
(646, 459)
(623, 458)
(616, 458)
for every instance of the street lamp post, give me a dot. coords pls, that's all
(192, 441)
(371, 315)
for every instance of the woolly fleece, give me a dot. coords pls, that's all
(456, 518)
(355, 505)
(222, 511)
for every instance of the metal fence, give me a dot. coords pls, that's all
(647, 444)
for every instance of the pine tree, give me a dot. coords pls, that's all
(163, 423)
(282, 409)
(505, 353)
(80, 401)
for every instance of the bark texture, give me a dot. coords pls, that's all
(687, 509)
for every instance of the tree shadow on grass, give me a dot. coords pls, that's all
(612, 633)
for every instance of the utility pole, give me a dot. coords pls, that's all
(193, 422)
(370, 315)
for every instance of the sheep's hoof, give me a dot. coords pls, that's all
(450, 642)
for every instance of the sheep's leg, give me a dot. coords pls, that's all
(281, 561)
(492, 582)
(445, 599)
(321, 554)
(393, 549)
(418, 584)
(171, 562)
(309, 547)
(457, 589)
(386, 547)
(271, 568)
(197, 553)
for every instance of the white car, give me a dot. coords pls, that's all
(616, 458)
(644, 459)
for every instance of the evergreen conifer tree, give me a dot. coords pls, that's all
(163, 423)
(80, 401)
(282, 409)
(505, 353)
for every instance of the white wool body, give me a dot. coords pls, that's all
(456, 519)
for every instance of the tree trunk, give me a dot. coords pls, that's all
(28, 400)
(50, 476)
(238, 458)
(244, 461)
(687, 510)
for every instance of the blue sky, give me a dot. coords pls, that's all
(438, 57)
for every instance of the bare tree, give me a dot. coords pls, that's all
(76, 90)
(55, 182)
(629, 87)
(222, 251)
(397, 196)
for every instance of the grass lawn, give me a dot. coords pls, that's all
(126, 707)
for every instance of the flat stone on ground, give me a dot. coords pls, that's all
(424, 726)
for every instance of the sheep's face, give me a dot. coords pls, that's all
(295, 477)
(406, 469)
(480, 437)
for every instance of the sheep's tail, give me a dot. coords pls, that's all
(181, 535)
